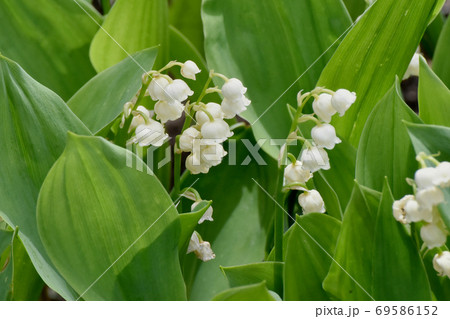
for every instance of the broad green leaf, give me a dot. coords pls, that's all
(273, 62)
(433, 139)
(131, 26)
(255, 292)
(365, 64)
(434, 97)
(385, 148)
(254, 273)
(19, 280)
(101, 100)
(186, 17)
(441, 62)
(50, 40)
(431, 36)
(94, 207)
(34, 124)
(341, 176)
(398, 269)
(329, 196)
(309, 256)
(350, 274)
(242, 218)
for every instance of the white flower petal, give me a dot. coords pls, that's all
(311, 202)
(314, 159)
(324, 135)
(342, 100)
(189, 70)
(322, 107)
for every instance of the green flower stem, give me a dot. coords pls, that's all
(106, 6)
(122, 135)
(176, 168)
(202, 95)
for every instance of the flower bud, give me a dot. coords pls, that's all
(216, 131)
(433, 236)
(195, 165)
(429, 197)
(178, 91)
(443, 174)
(426, 177)
(189, 70)
(311, 202)
(168, 111)
(187, 139)
(314, 159)
(324, 135)
(294, 173)
(213, 109)
(342, 100)
(139, 119)
(441, 263)
(231, 108)
(322, 107)
(206, 216)
(150, 134)
(157, 87)
(233, 89)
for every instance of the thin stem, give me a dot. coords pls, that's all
(202, 95)
(279, 226)
(176, 168)
(106, 6)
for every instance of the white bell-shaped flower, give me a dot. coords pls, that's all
(311, 202)
(342, 100)
(433, 236)
(213, 109)
(415, 213)
(187, 139)
(315, 158)
(324, 135)
(413, 67)
(178, 91)
(295, 173)
(233, 89)
(215, 131)
(157, 88)
(322, 107)
(139, 119)
(150, 134)
(189, 69)
(443, 174)
(398, 208)
(231, 108)
(195, 164)
(212, 154)
(206, 216)
(426, 177)
(168, 111)
(429, 197)
(202, 249)
(441, 263)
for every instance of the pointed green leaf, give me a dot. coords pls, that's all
(255, 292)
(365, 64)
(385, 148)
(131, 26)
(50, 40)
(309, 256)
(398, 269)
(350, 274)
(434, 97)
(34, 125)
(300, 33)
(95, 207)
(254, 273)
(441, 62)
(101, 100)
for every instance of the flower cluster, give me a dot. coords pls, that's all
(422, 207)
(314, 156)
(204, 140)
